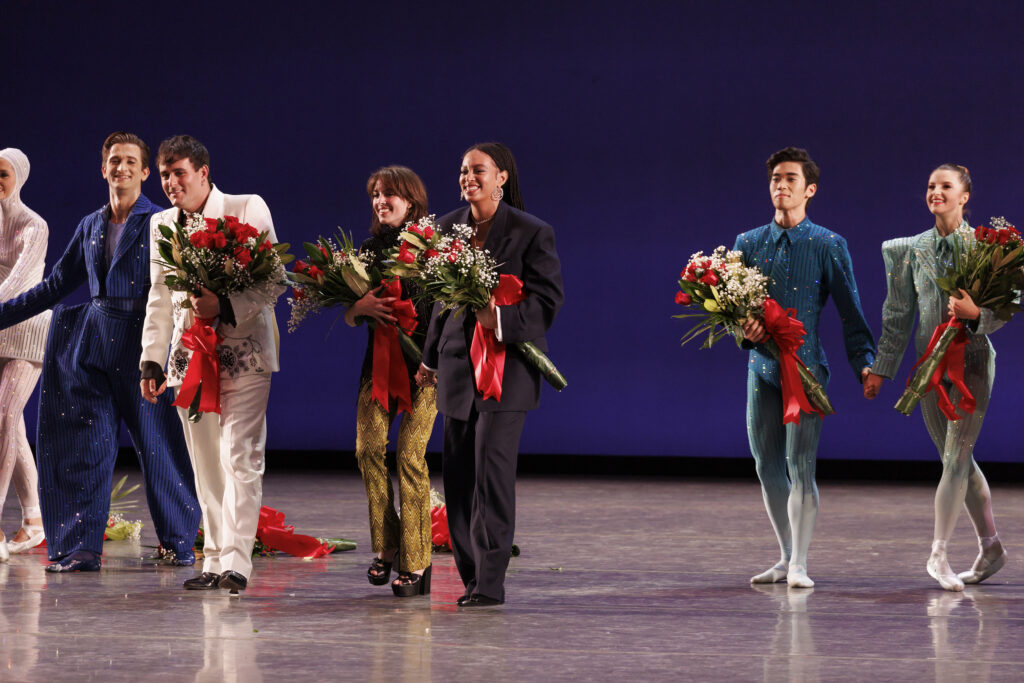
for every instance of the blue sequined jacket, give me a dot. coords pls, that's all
(819, 267)
(125, 282)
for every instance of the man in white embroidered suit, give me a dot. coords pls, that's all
(227, 453)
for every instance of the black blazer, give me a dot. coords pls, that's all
(524, 246)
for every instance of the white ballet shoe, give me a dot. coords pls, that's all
(988, 563)
(938, 569)
(797, 577)
(35, 537)
(774, 575)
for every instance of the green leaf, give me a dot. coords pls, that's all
(165, 231)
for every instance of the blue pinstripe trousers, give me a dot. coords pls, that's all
(90, 384)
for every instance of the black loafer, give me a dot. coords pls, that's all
(204, 582)
(479, 600)
(461, 602)
(233, 581)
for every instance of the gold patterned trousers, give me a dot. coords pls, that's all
(409, 530)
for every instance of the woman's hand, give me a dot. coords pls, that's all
(753, 330)
(425, 377)
(872, 383)
(488, 317)
(964, 307)
(371, 306)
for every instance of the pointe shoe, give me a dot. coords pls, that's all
(774, 575)
(986, 565)
(938, 569)
(797, 577)
(35, 537)
(410, 584)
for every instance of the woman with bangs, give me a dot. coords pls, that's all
(397, 196)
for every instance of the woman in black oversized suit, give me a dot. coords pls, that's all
(481, 436)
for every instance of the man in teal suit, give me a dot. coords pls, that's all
(806, 264)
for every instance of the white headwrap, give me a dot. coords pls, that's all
(11, 207)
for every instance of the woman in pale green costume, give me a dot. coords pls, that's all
(913, 264)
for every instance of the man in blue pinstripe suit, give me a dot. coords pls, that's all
(806, 264)
(91, 377)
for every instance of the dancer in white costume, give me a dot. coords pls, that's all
(913, 264)
(23, 235)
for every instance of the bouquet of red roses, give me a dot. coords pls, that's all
(222, 254)
(728, 294)
(225, 256)
(338, 274)
(987, 264)
(452, 271)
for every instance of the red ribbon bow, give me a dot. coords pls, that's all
(788, 334)
(951, 365)
(486, 352)
(390, 375)
(439, 534)
(276, 535)
(203, 368)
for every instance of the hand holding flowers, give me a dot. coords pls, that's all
(733, 299)
(986, 272)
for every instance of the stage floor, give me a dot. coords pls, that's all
(618, 580)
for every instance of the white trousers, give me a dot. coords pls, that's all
(228, 461)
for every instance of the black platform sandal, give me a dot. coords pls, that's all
(380, 571)
(409, 585)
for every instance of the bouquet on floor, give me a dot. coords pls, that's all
(452, 271)
(726, 294)
(988, 266)
(225, 256)
(118, 528)
(273, 536)
(338, 274)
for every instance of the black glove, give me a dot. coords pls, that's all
(152, 370)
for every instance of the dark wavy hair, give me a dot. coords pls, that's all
(505, 161)
(183, 147)
(121, 137)
(403, 182)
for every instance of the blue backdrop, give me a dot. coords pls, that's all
(640, 129)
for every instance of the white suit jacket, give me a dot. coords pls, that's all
(251, 345)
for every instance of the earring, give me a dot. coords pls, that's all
(497, 193)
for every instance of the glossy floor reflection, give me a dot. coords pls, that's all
(618, 580)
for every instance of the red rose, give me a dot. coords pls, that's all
(428, 232)
(243, 256)
(327, 254)
(683, 298)
(992, 237)
(314, 272)
(1004, 236)
(301, 267)
(266, 246)
(211, 224)
(200, 239)
(404, 255)
(219, 240)
(415, 229)
(457, 245)
(689, 277)
(979, 233)
(453, 256)
(298, 293)
(431, 253)
(710, 278)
